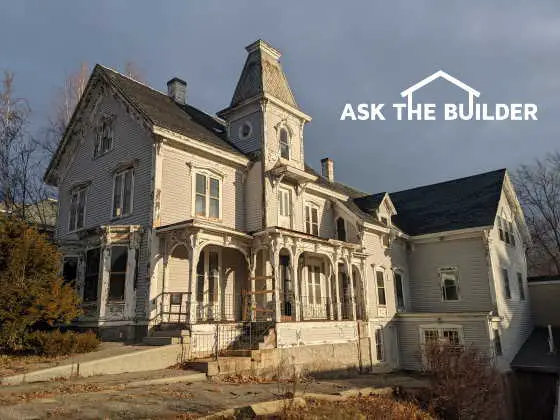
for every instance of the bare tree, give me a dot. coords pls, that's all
(538, 187)
(65, 102)
(15, 147)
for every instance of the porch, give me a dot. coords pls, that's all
(206, 275)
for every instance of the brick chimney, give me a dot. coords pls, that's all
(327, 168)
(177, 90)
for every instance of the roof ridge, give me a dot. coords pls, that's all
(449, 181)
(131, 79)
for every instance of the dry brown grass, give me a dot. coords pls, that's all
(15, 364)
(370, 407)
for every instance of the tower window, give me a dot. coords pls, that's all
(284, 144)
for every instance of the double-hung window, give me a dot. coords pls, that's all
(91, 281)
(284, 143)
(379, 345)
(117, 276)
(520, 286)
(314, 284)
(507, 288)
(104, 137)
(341, 229)
(207, 196)
(449, 278)
(77, 209)
(312, 220)
(399, 291)
(123, 191)
(380, 285)
(441, 335)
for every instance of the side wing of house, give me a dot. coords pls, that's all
(506, 244)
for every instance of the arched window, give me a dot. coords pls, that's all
(284, 144)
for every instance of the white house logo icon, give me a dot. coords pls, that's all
(451, 111)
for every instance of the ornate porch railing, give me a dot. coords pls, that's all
(172, 308)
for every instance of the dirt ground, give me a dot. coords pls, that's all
(109, 398)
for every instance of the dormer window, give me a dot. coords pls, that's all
(284, 143)
(103, 137)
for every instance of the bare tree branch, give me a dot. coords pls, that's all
(538, 186)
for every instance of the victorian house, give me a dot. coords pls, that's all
(173, 219)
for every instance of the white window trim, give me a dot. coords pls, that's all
(311, 205)
(312, 300)
(440, 328)
(208, 173)
(119, 173)
(441, 271)
(77, 190)
(382, 271)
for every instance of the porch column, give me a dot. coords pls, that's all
(330, 288)
(194, 254)
(275, 256)
(129, 295)
(350, 274)
(252, 275)
(294, 258)
(103, 287)
(337, 292)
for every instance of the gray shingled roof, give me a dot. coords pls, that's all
(457, 204)
(534, 355)
(261, 74)
(161, 110)
(370, 203)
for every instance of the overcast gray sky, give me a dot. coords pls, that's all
(333, 52)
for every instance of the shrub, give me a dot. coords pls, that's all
(31, 290)
(57, 343)
(463, 384)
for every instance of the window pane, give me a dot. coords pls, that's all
(200, 278)
(200, 205)
(284, 144)
(117, 211)
(341, 229)
(308, 219)
(200, 184)
(450, 289)
(119, 258)
(520, 285)
(92, 275)
(214, 208)
(399, 291)
(127, 196)
(116, 287)
(452, 337)
(73, 211)
(80, 218)
(214, 188)
(381, 299)
(507, 290)
(70, 270)
(213, 275)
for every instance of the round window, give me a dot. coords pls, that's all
(245, 130)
